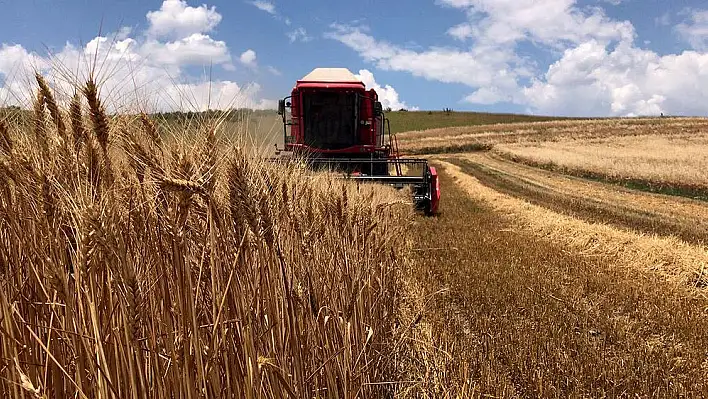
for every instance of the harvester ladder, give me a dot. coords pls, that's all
(393, 144)
(397, 154)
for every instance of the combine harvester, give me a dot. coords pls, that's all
(331, 121)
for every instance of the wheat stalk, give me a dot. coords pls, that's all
(97, 114)
(39, 128)
(51, 103)
(77, 122)
(5, 140)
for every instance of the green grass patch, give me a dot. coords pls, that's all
(404, 121)
(450, 149)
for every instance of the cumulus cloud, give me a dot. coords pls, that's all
(139, 72)
(388, 96)
(264, 5)
(196, 49)
(176, 18)
(480, 66)
(592, 80)
(15, 58)
(555, 23)
(598, 69)
(248, 58)
(216, 95)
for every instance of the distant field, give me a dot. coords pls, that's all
(422, 120)
(259, 129)
(668, 160)
(471, 138)
(267, 122)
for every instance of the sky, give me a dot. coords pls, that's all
(546, 57)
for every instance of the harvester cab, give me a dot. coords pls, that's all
(332, 121)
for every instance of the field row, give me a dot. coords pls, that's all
(540, 304)
(588, 199)
(661, 155)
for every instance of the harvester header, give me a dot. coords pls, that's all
(334, 122)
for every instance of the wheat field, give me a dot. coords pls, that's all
(568, 265)
(138, 262)
(538, 303)
(669, 160)
(144, 256)
(485, 137)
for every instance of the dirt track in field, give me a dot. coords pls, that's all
(591, 201)
(529, 314)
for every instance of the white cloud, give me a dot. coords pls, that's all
(480, 66)
(142, 72)
(592, 80)
(598, 69)
(15, 59)
(555, 23)
(16, 68)
(175, 18)
(488, 95)
(274, 70)
(264, 5)
(695, 30)
(196, 49)
(388, 96)
(299, 34)
(215, 95)
(248, 58)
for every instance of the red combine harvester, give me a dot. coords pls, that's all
(333, 122)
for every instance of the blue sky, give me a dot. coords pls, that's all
(560, 57)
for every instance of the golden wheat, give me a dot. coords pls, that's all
(131, 267)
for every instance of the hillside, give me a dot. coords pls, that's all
(422, 120)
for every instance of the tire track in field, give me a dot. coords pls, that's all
(531, 317)
(591, 201)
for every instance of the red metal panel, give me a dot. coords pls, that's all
(367, 131)
(365, 115)
(354, 150)
(296, 128)
(435, 188)
(374, 97)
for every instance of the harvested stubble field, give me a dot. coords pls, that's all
(562, 286)
(543, 305)
(471, 138)
(669, 162)
(589, 199)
